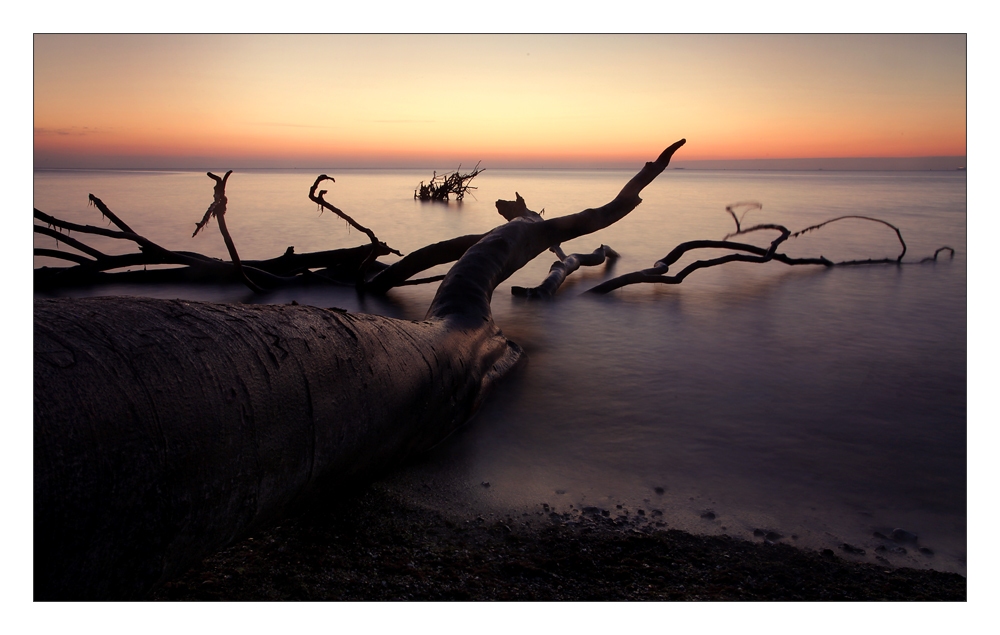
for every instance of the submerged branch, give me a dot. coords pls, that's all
(562, 268)
(441, 188)
(657, 274)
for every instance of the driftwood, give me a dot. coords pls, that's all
(337, 265)
(442, 187)
(377, 246)
(738, 252)
(563, 267)
(165, 430)
(742, 252)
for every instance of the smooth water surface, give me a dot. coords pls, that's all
(824, 404)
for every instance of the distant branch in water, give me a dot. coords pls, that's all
(441, 187)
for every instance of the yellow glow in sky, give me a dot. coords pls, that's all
(550, 100)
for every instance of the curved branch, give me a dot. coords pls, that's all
(662, 266)
(464, 295)
(937, 251)
(774, 244)
(566, 228)
(656, 275)
(750, 205)
(562, 268)
(899, 235)
(319, 200)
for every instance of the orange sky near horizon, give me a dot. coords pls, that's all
(508, 100)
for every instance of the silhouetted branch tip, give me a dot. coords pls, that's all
(749, 205)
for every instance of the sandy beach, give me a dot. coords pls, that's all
(378, 545)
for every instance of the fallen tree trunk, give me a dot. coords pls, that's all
(165, 430)
(159, 442)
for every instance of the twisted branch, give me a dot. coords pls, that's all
(656, 274)
(218, 210)
(562, 268)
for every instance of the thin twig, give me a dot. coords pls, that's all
(750, 205)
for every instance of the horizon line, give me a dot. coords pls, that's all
(830, 164)
(529, 167)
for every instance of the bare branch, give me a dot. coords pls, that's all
(656, 274)
(937, 251)
(63, 255)
(562, 268)
(99, 204)
(566, 228)
(218, 210)
(662, 266)
(68, 240)
(319, 200)
(441, 187)
(422, 259)
(899, 235)
(749, 205)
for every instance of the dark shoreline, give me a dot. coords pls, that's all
(379, 546)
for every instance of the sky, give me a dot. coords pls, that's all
(146, 101)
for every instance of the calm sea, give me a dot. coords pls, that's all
(824, 405)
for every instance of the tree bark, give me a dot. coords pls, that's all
(165, 429)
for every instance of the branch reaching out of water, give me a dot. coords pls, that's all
(749, 205)
(376, 243)
(218, 210)
(657, 273)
